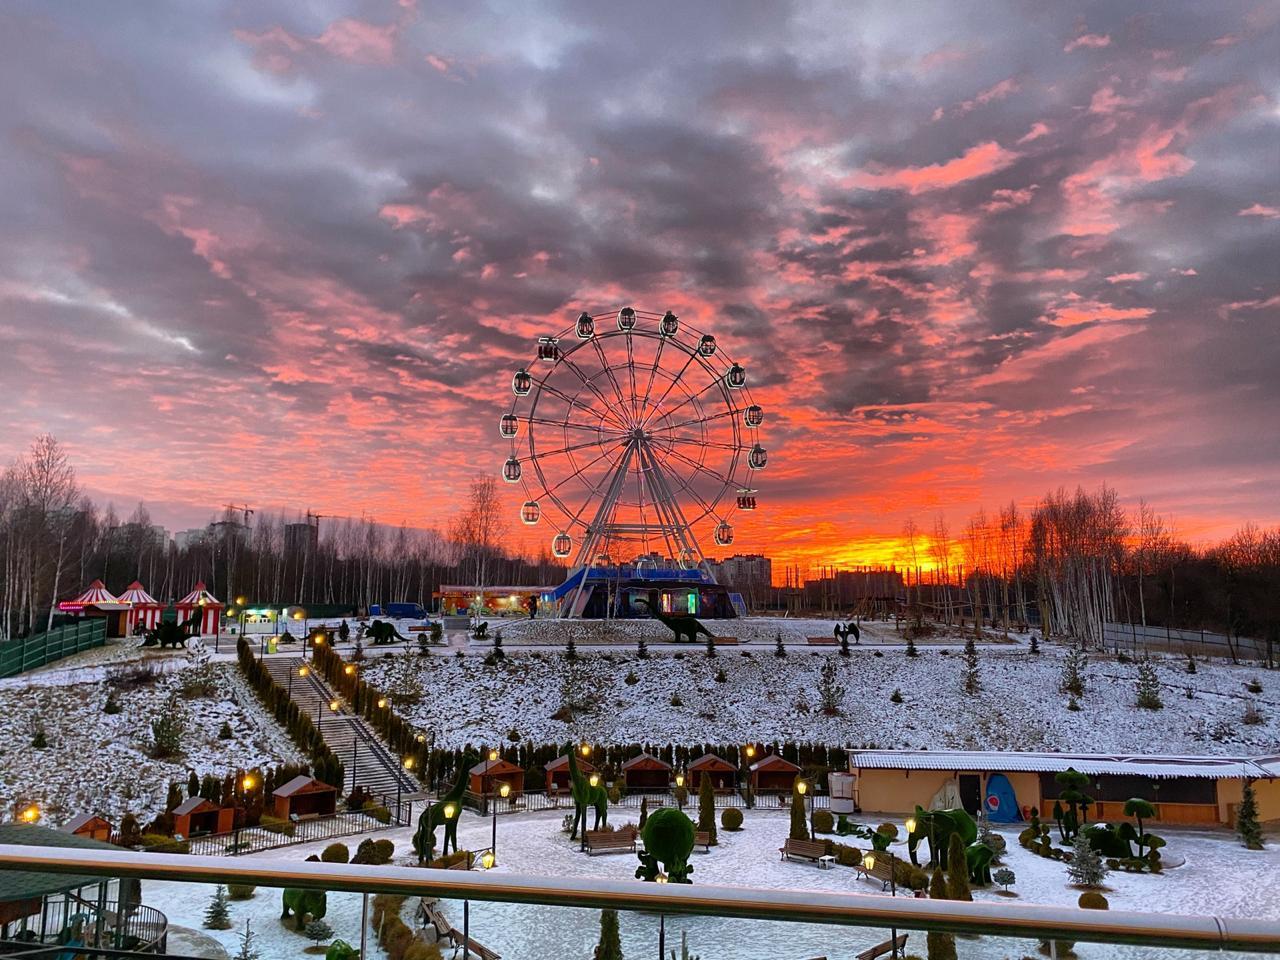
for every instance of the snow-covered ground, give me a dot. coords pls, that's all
(1219, 878)
(765, 698)
(754, 630)
(96, 762)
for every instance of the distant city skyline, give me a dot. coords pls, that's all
(967, 253)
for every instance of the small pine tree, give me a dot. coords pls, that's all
(224, 732)
(799, 825)
(1035, 644)
(1191, 664)
(778, 649)
(610, 945)
(497, 646)
(644, 813)
(642, 648)
(911, 647)
(193, 785)
(1148, 687)
(1247, 819)
(1086, 868)
(941, 946)
(957, 871)
(830, 694)
(317, 930)
(971, 682)
(1072, 681)
(247, 951)
(707, 808)
(218, 915)
(571, 649)
(711, 646)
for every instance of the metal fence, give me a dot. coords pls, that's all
(1202, 934)
(19, 656)
(1135, 638)
(535, 801)
(255, 839)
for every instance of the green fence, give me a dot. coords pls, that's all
(19, 656)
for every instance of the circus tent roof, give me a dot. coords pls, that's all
(199, 597)
(138, 596)
(97, 593)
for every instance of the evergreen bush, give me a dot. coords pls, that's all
(1086, 868)
(1072, 681)
(1247, 826)
(218, 915)
(240, 891)
(317, 930)
(799, 824)
(609, 947)
(731, 819)
(1148, 687)
(969, 675)
(778, 649)
(941, 946)
(957, 871)
(823, 822)
(335, 853)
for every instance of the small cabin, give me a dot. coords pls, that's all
(488, 776)
(305, 798)
(646, 772)
(773, 774)
(89, 825)
(197, 817)
(558, 773)
(723, 774)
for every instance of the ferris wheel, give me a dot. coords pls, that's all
(633, 434)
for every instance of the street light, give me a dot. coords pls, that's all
(585, 749)
(493, 755)
(802, 788)
(487, 861)
(30, 813)
(407, 763)
(382, 703)
(504, 791)
(868, 864)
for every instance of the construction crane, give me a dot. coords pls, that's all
(242, 509)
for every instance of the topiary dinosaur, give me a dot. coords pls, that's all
(937, 826)
(668, 840)
(978, 857)
(303, 902)
(382, 631)
(681, 625)
(424, 839)
(584, 795)
(170, 633)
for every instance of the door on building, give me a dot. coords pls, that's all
(970, 793)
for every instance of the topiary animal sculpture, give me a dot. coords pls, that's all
(682, 625)
(978, 857)
(668, 841)
(1138, 808)
(170, 633)
(1072, 782)
(302, 903)
(937, 826)
(1109, 839)
(424, 838)
(381, 631)
(585, 795)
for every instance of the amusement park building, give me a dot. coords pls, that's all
(1194, 790)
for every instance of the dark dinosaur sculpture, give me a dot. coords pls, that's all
(681, 625)
(843, 631)
(170, 633)
(382, 631)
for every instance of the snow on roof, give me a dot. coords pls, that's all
(646, 761)
(138, 596)
(193, 805)
(485, 767)
(1004, 762)
(774, 762)
(199, 597)
(301, 784)
(562, 762)
(711, 760)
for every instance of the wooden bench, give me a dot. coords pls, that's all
(702, 838)
(610, 841)
(821, 641)
(813, 850)
(726, 641)
(430, 916)
(896, 945)
(882, 870)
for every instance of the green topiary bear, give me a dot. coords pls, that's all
(668, 840)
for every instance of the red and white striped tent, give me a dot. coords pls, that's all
(96, 594)
(144, 609)
(209, 606)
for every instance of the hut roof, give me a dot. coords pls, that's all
(200, 597)
(97, 593)
(646, 761)
(138, 596)
(492, 767)
(301, 784)
(26, 884)
(194, 805)
(75, 823)
(562, 763)
(710, 761)
(774, 762)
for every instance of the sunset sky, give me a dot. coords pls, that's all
(289, 254)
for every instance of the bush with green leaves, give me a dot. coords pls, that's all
(335, 853)
(168, 729)
(1147, 687)
(823, 822)
(731, 819)
(1072, 680)
(1004, 876)
(240, 891)
(317, 930)
(1247, 826)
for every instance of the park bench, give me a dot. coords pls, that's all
(821, 641)
(725, 641)
(882, 870)
(610, 841)
(430, 916)
(815, 850)
(702, 838)
(896, 945)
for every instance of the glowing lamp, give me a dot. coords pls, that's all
(303, 671)
(449, 811)
(662, 878)
(679, 779)
(493, 755)
(382, 703)
(241, 600)
(488, 860)
(30, 814)
(585, 749)
(408, 763)
(249, 782)
(317, 640)
(421, 738)
(751, 752)
(910, 824)
(595, 779)
(802, 788)
(333, 705)
(349, 669)
(504, 791)
(869, 862)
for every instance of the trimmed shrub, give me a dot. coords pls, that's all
(386, 850)
(731, 818)
(379, 813)
(240, 891)
(159, 843)
(335, 853)
(277, 825)
(1092, 900)
(823, 821)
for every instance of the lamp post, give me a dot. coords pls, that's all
(302, 672)
(408, 765)
(802, 788)
(504, 791)
(594, 780)
(868, 863)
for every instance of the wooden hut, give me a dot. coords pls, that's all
(98, 603)
(144, 610)
(723, 774)
(772, 773)
(646, 772)
(198, 816)
(558, 773)
(89, 825)
(204, 607)
(305, 797)
(488, 776)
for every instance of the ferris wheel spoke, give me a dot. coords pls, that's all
(728, 481)
(550, 491)
(543, 421)
(653, 372)
(571, 401)
(703, 443)
(631, 369)
(708, 509)
(570, 449)
(604, 364)
(670, 386)
(587, 382)
(692, 397)
(684, 423)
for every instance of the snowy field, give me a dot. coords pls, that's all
(764, 698)
(533, 844)
(96, 762)
(755, 630)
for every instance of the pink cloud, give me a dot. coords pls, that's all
(1258, 210)
(978, 161)
(1037, 131)
(1094, 41)
(359, 41)
(1004, 199)
(1126, 277)
(1076, 311)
